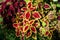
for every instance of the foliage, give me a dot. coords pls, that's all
(29, 20)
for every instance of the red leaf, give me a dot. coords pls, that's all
(21, 4)
(19, 11)
(28, 34)
(1, 10)
(36, 24)
(3, 6)
(8, 0)
(21, 29)
(47, 33)
(24, 9)
(28, 15)
(11, 7)
(32, 21)
(29, 4)
(33, 29)
(32, 8)
(46, 6)
(21, 16)
(24, 2)
(26, 28)
(15, 25)
(25, 21)
(36, 15)
(17, 32)
(16, 4)
(9, 13)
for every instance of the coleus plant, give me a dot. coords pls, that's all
(26, 24)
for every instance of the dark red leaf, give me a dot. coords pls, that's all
(28, 15)
(25, 29)
(29, 4)
(11, 7)
(33, 29)
(16, 4)
(36, 15)
(17, 32)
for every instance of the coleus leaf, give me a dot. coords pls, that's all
(33, 29)
(46, 6)
(8, 0)
(36, 24)
(27, 1)
(32, 21)
(21, 29)
(21, 4)
(21, 16)
(17, 32)
(11, 7)
(43, 23)
(15, 25)
(24, 9)
(27, 15)
(9, 13)
(36, 15)
(34, 36)
(32, 8)
(42, 30)
(25, 28)
(3, 6)
(28, 34)
(46, 33)
(29, 4)
(16, 4)
(25, 21)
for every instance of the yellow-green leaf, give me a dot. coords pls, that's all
(43, 30)
(43, 23)
(27, 1)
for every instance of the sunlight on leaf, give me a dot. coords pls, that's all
(27, 1)
(43, 30)
(43, 23)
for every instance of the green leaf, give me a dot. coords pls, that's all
(1, 19)
(58, 5)
(27, 1)
(43, 23)
(43, 30)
